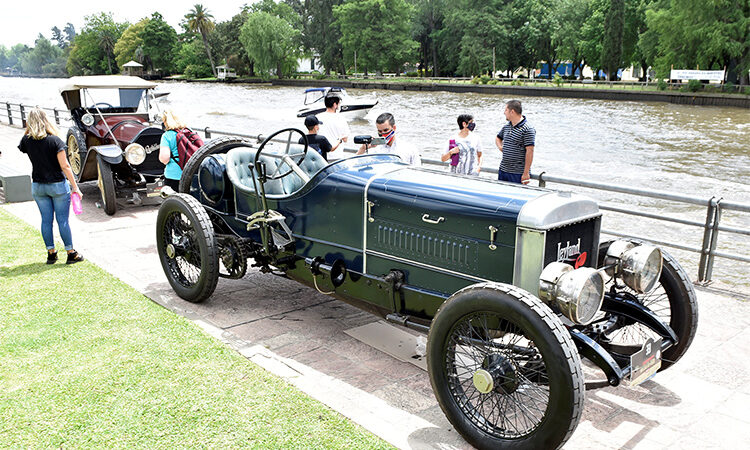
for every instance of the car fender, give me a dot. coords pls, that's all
(110, 153)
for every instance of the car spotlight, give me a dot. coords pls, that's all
(135, 154)
(87, 119)
(639, 266)
(578, 292)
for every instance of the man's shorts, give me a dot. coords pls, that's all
(506, 176)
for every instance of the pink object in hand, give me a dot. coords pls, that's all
(75, 200)
(454, 158)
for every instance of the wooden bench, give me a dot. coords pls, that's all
(15, 186)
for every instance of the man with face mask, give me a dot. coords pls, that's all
(386, 125)
(465, 149)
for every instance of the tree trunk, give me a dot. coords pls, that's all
(208, 52)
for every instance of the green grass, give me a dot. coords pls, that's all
(86, 361)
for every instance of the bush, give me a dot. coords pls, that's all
(197, 71)
(493, 81)
(320, 76)
(661, 85)
(484, 79)
(729, 87)
(516, 82)
(475, 80)
(412, 74)
(747, 90)
(558, 80)
(694, 86)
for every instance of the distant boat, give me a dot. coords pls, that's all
(351, 108)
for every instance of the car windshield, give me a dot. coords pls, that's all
(115, 98)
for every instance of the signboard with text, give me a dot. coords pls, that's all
(711, 75)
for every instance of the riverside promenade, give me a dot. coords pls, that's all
(364, 369)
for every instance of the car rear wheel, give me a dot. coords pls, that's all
(106, 182)
(186, 244)
(673, 300)
(504, 369)
(220, 145)
(76, 149)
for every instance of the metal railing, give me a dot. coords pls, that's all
(711, 225)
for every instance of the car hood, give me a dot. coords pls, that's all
(124, 128)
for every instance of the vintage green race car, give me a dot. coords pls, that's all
(511, 283)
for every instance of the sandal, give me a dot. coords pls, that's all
(51, 257)
(74, 257)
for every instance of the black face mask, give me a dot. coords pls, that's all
(471, 126)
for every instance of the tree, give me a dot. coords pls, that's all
(70, 32)
(592, 31)
(225, 40)
(271, 43)
(191, 60)
(426, 27)
(691, 33)
(614, 24)
(130, 41)
(107, 31)
(42, 58)
(159, 44)
(321, 34)
(378, 31)
(568, 36)
(199, 20)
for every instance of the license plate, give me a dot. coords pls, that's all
(645, 362)
(154, 189)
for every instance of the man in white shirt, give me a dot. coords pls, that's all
(333, 125)
(386, 125)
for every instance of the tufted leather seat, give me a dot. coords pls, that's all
(240, 163)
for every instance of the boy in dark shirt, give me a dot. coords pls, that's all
(316, 141)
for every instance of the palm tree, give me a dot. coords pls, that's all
(199, 20)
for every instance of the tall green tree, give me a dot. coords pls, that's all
(568, 36)
(107, 32)
(199, 20)
(42, 58)
(614, 24)
(378, 31)
(321, 34)
(92, 51)
(129, 43)
(271, 43)
(592, 31)
(692, 33)
(225, 40)
(3, 58)
(426, 27)
(159, 44)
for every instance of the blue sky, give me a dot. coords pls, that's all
(22, 22)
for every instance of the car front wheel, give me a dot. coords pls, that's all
(106, 182)
(76, 150)
(504, 369)
(186, 244)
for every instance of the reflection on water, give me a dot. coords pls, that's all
(697, 151)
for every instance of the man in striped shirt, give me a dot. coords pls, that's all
(516, 143)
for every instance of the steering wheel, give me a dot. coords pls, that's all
(284, 144)
(103, 104)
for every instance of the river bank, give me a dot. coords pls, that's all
(680, 98)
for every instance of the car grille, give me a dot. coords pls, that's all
(576, 243)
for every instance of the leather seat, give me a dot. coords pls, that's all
(240, 164)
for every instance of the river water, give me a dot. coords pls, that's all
(698, 151)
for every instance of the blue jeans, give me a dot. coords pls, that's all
(53, 199)
(507, 176)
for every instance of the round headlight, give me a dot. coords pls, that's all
(87, 119)
(135, 154)
(641, 268)
(578, 292)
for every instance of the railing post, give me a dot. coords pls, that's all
(10, 113)
(714, 240)
(207, 133)
(706, 245)
(23, 116)
(57, 116)
(542, 183)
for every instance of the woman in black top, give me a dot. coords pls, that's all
(51, 192)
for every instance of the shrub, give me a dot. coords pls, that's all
(320, 76)
(747, 90)
(516, 82)
(661, 85)
(694, 85)
(412, 74)
(484, 79)
(475, 80)
(493, 81)
(197, 71)
(729, 87)
(558, 80)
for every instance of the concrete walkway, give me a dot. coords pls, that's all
(306, 338)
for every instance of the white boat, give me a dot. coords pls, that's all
(351, 108)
